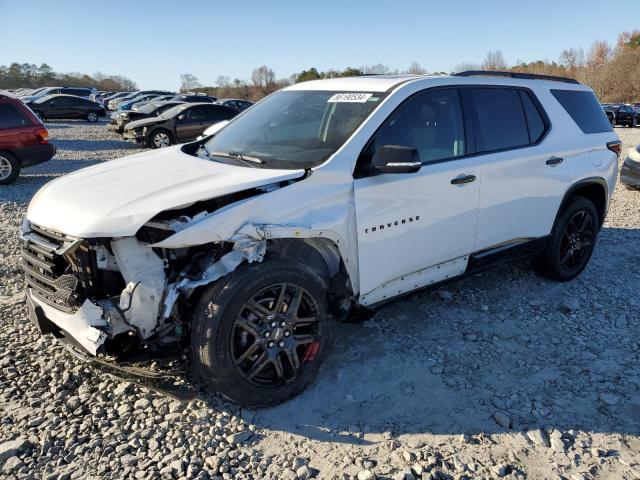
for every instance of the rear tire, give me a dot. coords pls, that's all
(9, 168)
(245, 343)
(572, 242)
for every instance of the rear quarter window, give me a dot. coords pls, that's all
(584, 109)
(11, 117)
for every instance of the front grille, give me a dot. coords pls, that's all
(53, 278)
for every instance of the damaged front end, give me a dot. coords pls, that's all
(123, 299)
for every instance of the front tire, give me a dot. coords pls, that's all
(572, 242)
(9, 168)
(92, 117)
(260, 334)
(160, 139)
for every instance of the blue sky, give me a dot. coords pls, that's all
(154, 41)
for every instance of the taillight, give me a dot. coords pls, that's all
(615, 146)
(43, 135)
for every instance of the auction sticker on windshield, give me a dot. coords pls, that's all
(350, 97)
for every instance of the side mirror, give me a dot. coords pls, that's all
(181, 117)
(396, 159)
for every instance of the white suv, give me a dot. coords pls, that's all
(242, 249)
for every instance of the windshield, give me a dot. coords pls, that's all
(293, 129)
(44, 99)
(173, 111)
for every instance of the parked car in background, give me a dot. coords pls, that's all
(179, 124)
(113, 103)
(85, 93)
(24, 141)
(235, 103)
(67, 106)
(630, 171)
(620, 114)
(194, 98)
(127, 105)
(115, 96)
(149, 109)
(158, 98)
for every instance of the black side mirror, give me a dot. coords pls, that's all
(396, 159)
(181, 117)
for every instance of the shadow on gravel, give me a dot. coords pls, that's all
(494, 352)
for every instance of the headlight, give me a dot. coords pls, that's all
(144, 131)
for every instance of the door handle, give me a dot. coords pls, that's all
(463, 179)
(554, 161)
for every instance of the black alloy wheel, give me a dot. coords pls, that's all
(577, 240)
(260, 334)
(276, 331)
(572, 241)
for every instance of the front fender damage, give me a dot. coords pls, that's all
(244, 248)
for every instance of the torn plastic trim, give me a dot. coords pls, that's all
(244, 248)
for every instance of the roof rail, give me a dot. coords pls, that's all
(526, 76)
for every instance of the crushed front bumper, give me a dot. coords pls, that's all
(80, 327)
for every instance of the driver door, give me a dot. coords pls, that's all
(190, 123)
(408, 222)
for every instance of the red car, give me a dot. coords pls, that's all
(23, 139)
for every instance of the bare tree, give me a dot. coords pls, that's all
(188, 82)
(416, 69)
(377, 69)
(264, 79)
(494, 61)
(466, 66)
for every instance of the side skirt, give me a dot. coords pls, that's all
(445, 272)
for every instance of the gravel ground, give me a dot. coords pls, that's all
(499, 375)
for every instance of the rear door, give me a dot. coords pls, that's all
(58, 107)
(522, 177)
(189, 123)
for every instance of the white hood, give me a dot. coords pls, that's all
(115, 198)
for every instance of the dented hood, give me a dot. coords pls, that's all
(117, 197)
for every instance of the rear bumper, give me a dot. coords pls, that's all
(35, 154)
(630, 173)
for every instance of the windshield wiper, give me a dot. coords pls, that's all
(238, 156)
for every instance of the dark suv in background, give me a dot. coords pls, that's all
(619, 114)
(23, 139)
(67, 106)
(179, 124)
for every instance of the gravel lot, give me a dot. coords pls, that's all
(501, 374)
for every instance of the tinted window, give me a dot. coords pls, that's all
(430, 121)
(584, 109)
(534, 119)
(501, 120)
(11, 117)
(217, 114)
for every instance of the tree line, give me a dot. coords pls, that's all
(613, 72)
(29, 75)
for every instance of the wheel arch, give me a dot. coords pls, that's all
(154, 130)
(594, 189)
